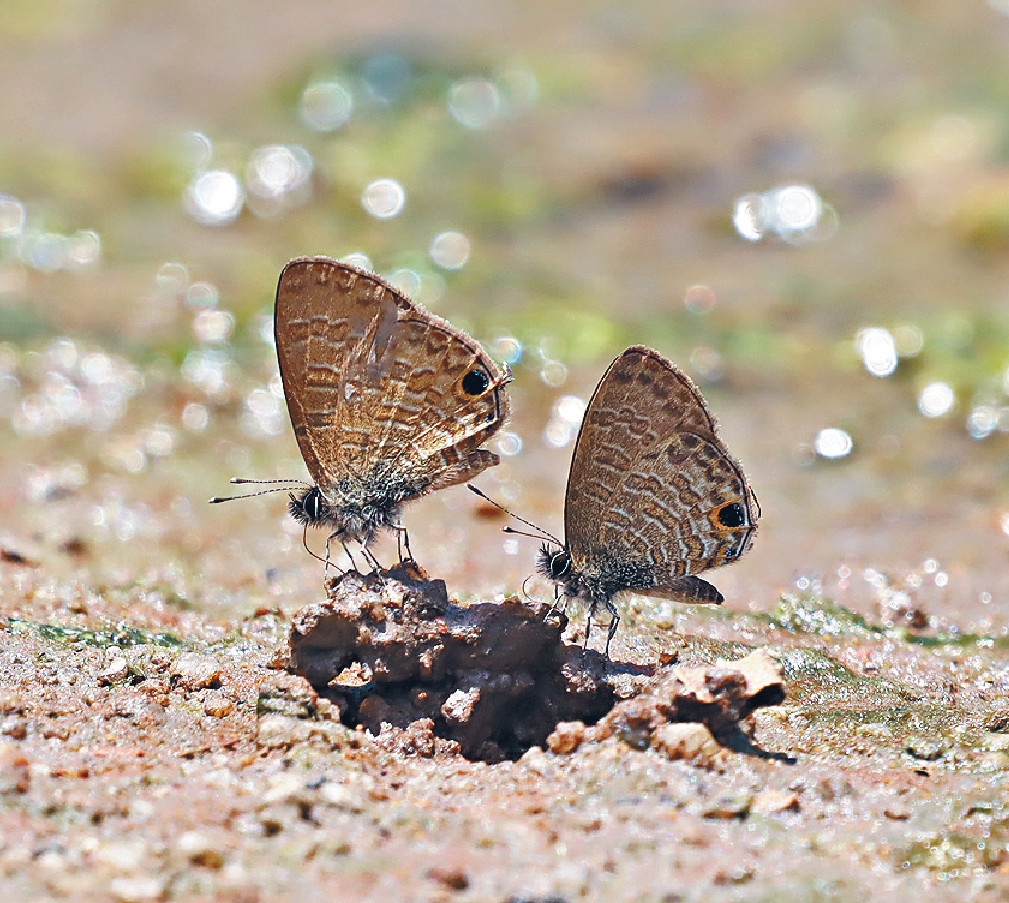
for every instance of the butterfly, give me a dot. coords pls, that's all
(653, 496)
(388, 402)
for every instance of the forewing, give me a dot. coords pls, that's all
(641, 400)
(371, 378)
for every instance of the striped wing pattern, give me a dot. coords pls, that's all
(648, 481)
(374, 384)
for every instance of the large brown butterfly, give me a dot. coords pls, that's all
(653, 496)
(388, 402)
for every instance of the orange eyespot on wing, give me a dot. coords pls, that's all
(728, 517)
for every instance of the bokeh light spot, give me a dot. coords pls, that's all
(450, 250)
(508, 443)
(699, 299)
(360, 260)
(565, 419)
(508, 349)
(386, 76)
(276, 170)
(326, 106)
(12, 216)
(877, 349)
(791, 212)
(474, 102)
(981, 421)
(936, 399)
(213, 326)
(383, 198)
(833, 443)
(214, 197)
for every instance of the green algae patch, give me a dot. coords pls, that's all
(812, 677)
(119, 635)
(810, 613)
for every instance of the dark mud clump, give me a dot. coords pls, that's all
(495, 678)
(490, 680)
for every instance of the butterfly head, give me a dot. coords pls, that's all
(554, 564)
(310, 508)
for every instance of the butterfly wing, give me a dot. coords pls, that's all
(683, 507)
(375, 383)
(653, 493)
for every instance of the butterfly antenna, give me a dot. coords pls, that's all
(252, 495)
(540, 532)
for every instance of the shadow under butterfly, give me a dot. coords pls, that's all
(653, 496)
(388, 402)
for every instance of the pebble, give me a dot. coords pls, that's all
(924, 748)
(767, 802)
(16, 728)
(276, 731)
(193, 671)
(217, 704)
(566, 737)
(458, 708)
(341, 796)
(729, 807)
(15, 776)
(134, 890)
(200, 850)
(685, 740)
(115, 667)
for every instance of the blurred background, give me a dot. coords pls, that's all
(804, 206)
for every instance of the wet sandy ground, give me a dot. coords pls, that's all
(176, 759)
(152, 746)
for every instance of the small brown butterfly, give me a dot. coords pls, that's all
(653, 496)
(388, 402)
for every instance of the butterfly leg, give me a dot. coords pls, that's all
(614, 621)
(588, 629)
(402, 536)
(349, 554)
(369, 556)
(557, 606)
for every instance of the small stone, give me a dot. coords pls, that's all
(137, 889)
(16, 727)
(993, 742)
(453, 879)
(283, 788)
(566, 737)
(341, 796)
(200, 850)
(125, 856)
(685, 740)
(15, 776)
(760, 670)
(279, 731)
(729, 807)
(148, 662)
(280, 658)
(330, 733)
(115, 667)
(217, 704)
(458, 708)
(767, 802)
(55, 730)
(287, 694)
(924, 748)
(897, 813)
(193, 671)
